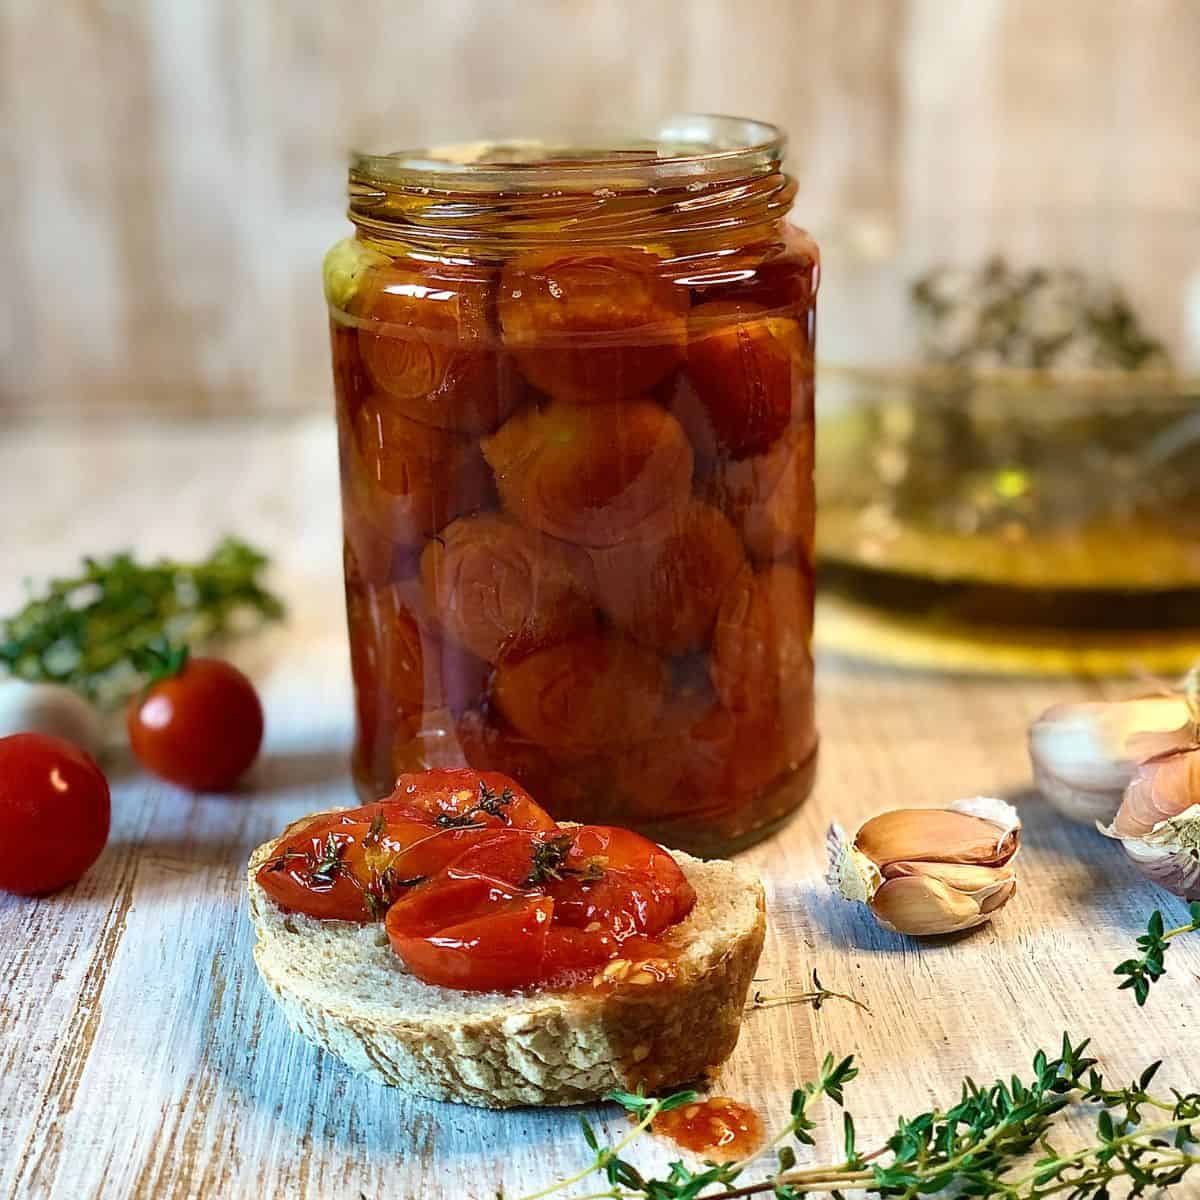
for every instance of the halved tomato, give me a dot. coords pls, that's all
(473, 933)
(342, 870)
(485, 797)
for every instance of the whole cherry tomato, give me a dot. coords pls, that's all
(54, 813)
(198, 724)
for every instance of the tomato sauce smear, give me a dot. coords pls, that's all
(480, 889)
(718, 1128)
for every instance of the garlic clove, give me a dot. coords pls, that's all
(935, 835)
(924, 907)
(1084, 755)
(980, 883)
(929, 871)
(49, 708)
(1159, 821)
(1160, 789)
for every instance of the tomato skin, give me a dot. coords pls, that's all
(200, 729)
(498, 945)
(55, 813)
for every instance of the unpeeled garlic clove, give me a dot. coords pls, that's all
(930, 871)
(922, 907)
(1084, 755)
(1158, 823)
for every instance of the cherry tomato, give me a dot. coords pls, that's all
(200, 727)
(54, 813)
(354, 870)
(487, 797)
(639, 890)
(500, 945)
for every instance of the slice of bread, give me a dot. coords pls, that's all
(341, 986)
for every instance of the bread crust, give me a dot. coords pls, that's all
(341, 987)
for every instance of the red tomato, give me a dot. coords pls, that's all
(498, 948)
(486, 796)
(54, 813)
(640, 889)
(200, 728)
(355, 870)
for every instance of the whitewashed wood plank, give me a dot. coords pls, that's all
(139, 1055)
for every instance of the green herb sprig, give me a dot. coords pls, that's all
(980, 1146)
(490, 802)
(1145, 971)
(89, 631)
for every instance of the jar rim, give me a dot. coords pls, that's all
(685, 147)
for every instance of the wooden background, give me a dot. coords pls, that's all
(142, 1059)
(173, 170)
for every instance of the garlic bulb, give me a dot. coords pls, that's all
(925, 871)
(1084, 755)
(48, 708)
(1159, 821)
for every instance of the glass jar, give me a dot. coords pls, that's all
(575, 414)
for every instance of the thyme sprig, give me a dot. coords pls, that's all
(549, 859)
(980, 1146)
(87, 630)
(817, 997)
(490, 802)
(1145, 971)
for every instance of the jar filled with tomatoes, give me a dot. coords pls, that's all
(575, 412)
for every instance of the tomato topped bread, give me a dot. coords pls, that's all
(453, 940)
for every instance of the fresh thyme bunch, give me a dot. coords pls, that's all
(980, 1146)
(87, 632)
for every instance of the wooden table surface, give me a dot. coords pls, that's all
(140, 1055)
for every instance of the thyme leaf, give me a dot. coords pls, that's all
(374, 835)
(330, 864)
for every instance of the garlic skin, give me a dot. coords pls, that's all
(48, 708)
(924, 872)
(1158, 823)
(1085, 755)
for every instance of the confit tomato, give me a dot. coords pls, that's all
(54, 813)
(342, 870)
(198, 724)
(455, 794)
